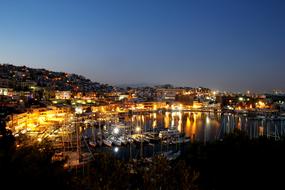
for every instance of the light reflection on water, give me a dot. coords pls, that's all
(208, 126)
(199, 126)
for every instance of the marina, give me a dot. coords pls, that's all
(137, 135)
(167, 134)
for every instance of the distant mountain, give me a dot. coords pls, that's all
(19, 75)
(136, 85)
(140, 85)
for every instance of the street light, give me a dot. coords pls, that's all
(78, 110)
(116, 149)
(116, 130)
(138, 129)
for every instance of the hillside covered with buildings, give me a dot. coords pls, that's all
(23, 78)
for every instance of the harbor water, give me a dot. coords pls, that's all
(198, 126)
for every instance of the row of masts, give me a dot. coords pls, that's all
(264, 127)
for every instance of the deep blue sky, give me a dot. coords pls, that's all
(222, 44)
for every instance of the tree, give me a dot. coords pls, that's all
(31, 167)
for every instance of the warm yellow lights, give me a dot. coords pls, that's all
(260, 105)
(197, 105)
(138, 129)
(155, 107)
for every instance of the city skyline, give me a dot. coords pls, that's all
(235, 46)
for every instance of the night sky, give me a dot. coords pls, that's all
(234, 45)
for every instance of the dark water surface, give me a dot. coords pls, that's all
(199, 126)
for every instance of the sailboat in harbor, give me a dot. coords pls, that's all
(107, 142)
(92, 141)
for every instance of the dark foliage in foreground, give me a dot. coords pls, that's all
(238, 162)
(31, 167)
(110, 173)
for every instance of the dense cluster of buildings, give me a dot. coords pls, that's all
(23, 78)
(22, 87)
